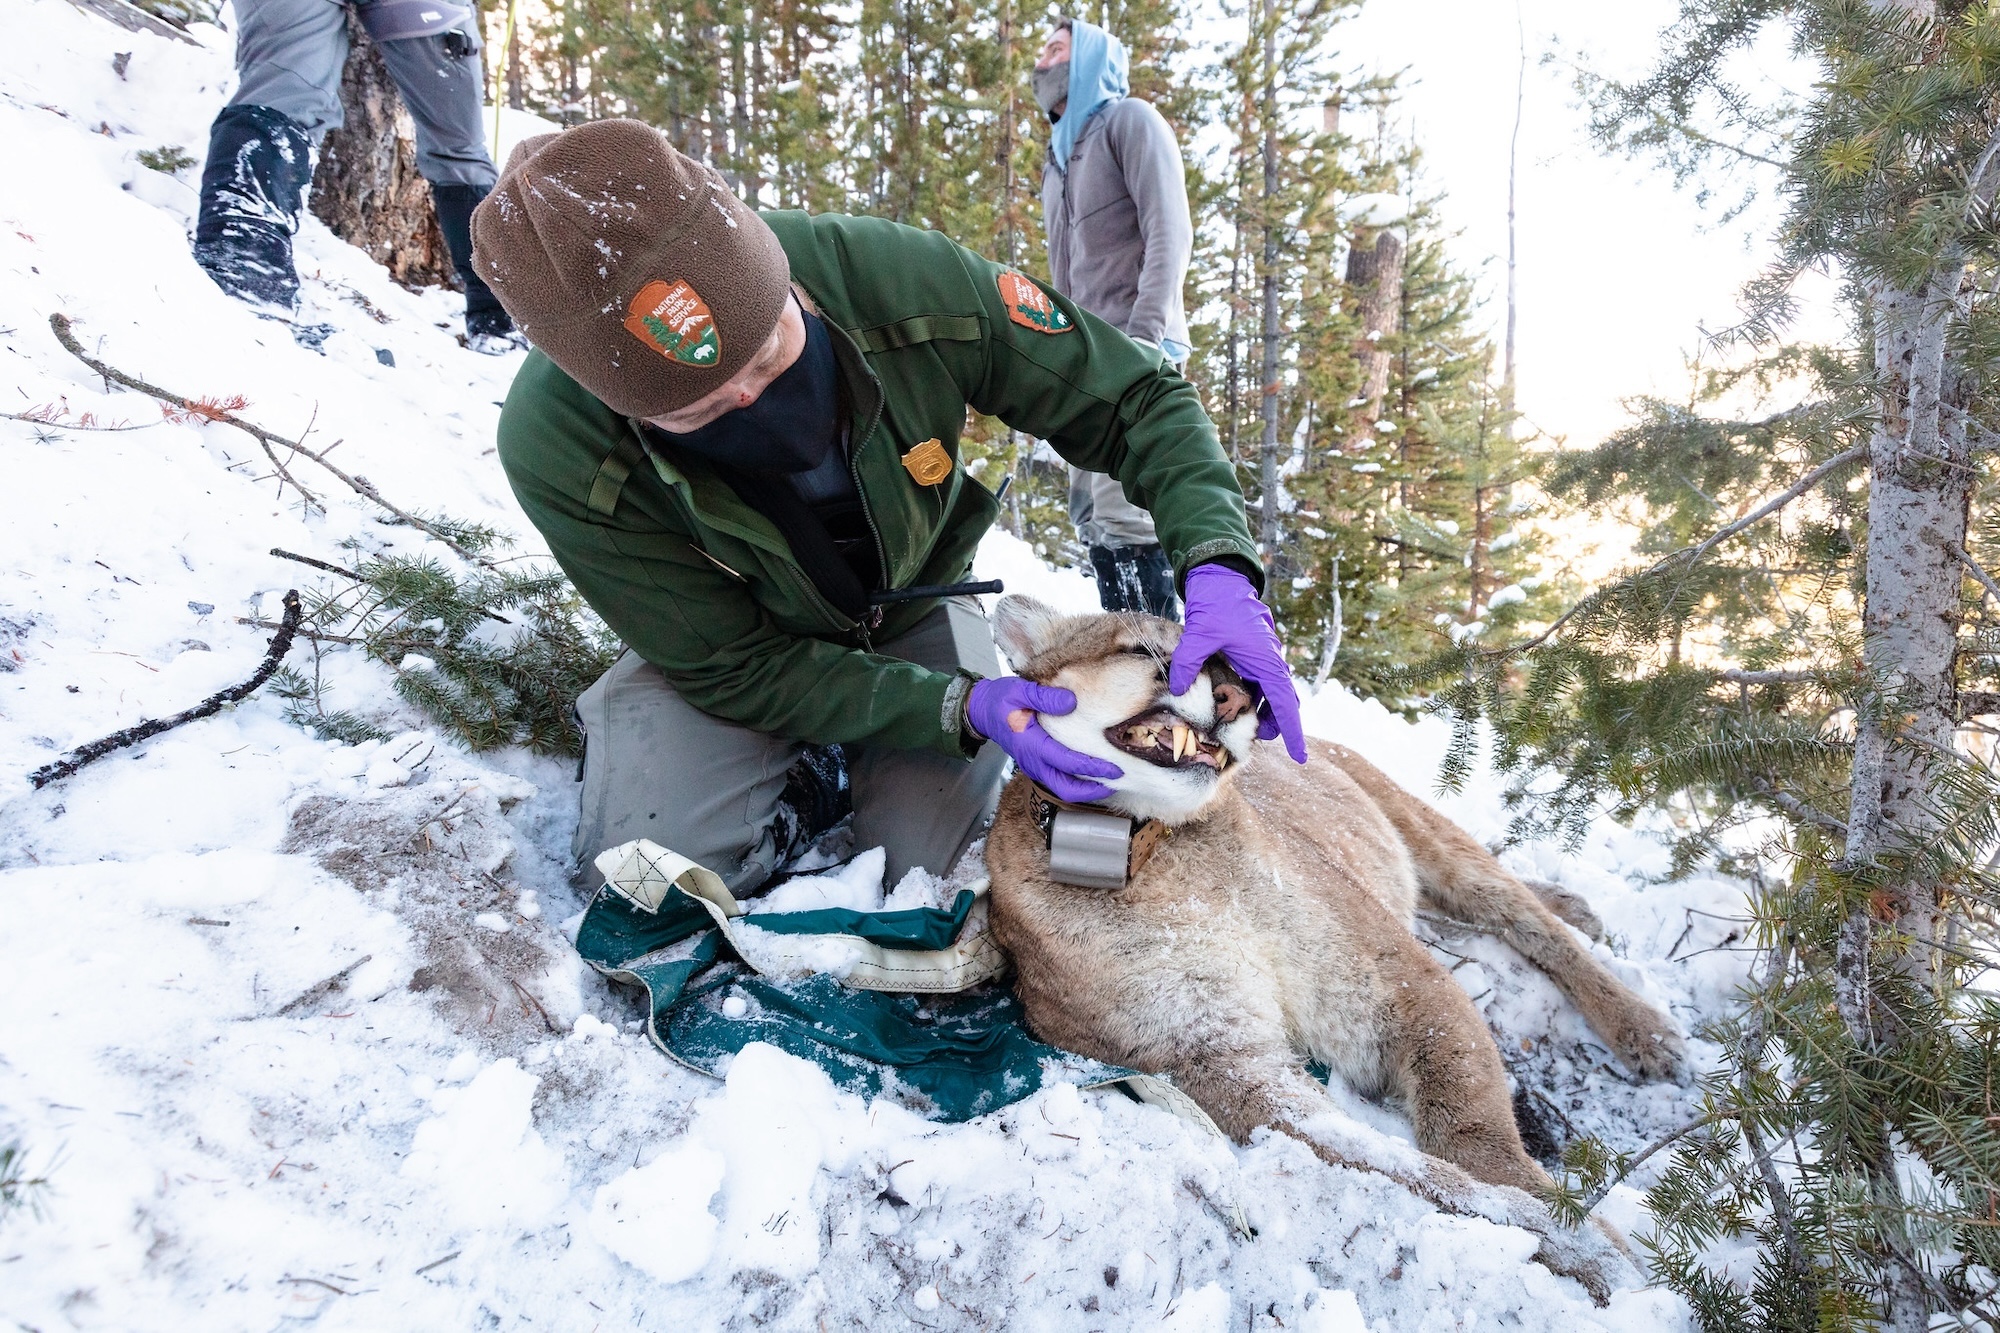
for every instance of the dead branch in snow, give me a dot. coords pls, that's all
(268, 441)
(281, 643)
(313, 994)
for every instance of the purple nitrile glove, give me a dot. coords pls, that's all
(1224, 616)
(1004, 711)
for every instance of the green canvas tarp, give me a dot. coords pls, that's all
(915, 1007)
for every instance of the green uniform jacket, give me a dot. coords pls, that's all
(703, 586)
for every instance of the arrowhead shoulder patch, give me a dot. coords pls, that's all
(673, 320)
(1030, 306)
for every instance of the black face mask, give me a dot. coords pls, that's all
(793, 424)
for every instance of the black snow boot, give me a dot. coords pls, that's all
(816, 798)
(487, 327)
(252, 188)
(1135, 578)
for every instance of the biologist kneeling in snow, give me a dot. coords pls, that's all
(737, 428)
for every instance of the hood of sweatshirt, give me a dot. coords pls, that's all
(1096, 80)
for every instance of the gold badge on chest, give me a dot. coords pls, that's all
(929, 463)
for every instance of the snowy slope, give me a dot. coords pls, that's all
(467, 1130)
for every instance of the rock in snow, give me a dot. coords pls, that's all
(295, 1026)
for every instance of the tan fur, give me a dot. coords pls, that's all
(1274, 924)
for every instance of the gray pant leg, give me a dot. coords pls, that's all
(289, 55)
(1118, 521)
(657, 767)
(444, 94)
(921, 806)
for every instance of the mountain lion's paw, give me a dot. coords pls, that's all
(1650, 1047)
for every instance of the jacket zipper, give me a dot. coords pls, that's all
(832, 614)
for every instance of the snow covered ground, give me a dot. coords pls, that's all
(466, 1128)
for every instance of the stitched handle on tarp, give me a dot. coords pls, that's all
(644, 873)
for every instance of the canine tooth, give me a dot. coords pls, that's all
(1183, 740)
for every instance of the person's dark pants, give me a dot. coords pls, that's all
(1135, 578)
(289, 56)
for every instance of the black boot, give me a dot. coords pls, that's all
(487, 327)
(815, 799)
(1135, 578)
(252, 188)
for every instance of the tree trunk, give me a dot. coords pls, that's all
(1268, 458)
(1920, 482)
(1513, 174)
(1375, 273)
(366, 188)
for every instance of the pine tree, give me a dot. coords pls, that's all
(1806, 649)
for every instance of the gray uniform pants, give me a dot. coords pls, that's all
(657, 767)
(289, 54)
(1099, 510)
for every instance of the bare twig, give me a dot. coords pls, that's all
(266, 440)
(281, 643)
(1985, 579)
(528, 995)
(326, 565)
(314, 994)
(54, 424)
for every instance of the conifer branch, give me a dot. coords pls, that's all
(1799, 810)
(1735, 677)
(1631, 1164)
(281, 643)
(361, 486)
(1985, 579)
(1691, 555)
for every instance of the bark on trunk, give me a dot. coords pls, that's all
(1920, 482)
(1375, 273)
(1268, 475)
(366, 188)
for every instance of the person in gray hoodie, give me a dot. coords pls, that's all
(1114, 203)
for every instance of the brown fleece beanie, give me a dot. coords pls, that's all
(630, 265)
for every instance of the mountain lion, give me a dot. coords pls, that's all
(1272, 923)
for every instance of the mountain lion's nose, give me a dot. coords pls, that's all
(1231, 702)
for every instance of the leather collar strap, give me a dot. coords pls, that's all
(1146, 835)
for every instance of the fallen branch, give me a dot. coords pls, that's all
(281, 643)
(314, 994)
(361, 486)
(52, 424)
(316, 563)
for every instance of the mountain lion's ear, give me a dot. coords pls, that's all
(1024, 627)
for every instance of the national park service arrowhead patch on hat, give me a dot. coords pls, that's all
(1030, 306)
(673, 320)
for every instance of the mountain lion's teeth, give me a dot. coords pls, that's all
(1183, 740)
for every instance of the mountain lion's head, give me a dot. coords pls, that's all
(1176, 749)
